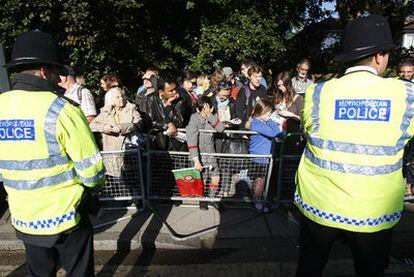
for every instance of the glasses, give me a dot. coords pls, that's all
(224, 84)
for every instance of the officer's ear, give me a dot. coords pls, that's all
(51, 74)
(381, 61)
(381, 58)
(43, 72)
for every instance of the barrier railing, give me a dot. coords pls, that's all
(124, 176)
(236, 172)
(288, 164)
(125, 173)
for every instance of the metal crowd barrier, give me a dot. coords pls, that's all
(237, 173)
(124, 178)
(125, 173)
(287, 165)
(124, 181)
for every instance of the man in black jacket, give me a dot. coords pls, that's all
(166, 109)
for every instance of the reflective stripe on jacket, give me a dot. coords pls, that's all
(46, 152)
(349, 175)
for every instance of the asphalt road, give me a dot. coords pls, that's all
(279, 261)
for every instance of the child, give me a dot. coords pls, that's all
(262, 144)
(198, 142)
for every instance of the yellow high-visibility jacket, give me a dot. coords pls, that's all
(47, 152)
(350, 176)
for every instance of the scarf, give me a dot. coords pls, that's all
(222, 104)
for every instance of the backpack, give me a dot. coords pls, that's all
(79, 93)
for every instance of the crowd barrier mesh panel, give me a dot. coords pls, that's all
(123, 180)
(290, 166)
(236, 175)
(289, 158)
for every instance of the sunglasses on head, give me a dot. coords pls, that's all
(224, 84)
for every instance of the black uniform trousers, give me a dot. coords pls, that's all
(370, 251)
(73, 251)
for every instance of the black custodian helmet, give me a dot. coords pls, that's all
(35, 48)
(364, 36)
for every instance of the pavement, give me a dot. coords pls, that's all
(187, 229)
(184, 226)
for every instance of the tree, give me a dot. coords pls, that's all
(311, 41)
(127, 36)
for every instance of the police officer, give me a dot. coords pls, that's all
(349, 181)
(48, 162)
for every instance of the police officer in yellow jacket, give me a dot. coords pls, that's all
(349, 180)
(48, 162)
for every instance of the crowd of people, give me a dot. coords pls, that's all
(218, 101)
(167, 103)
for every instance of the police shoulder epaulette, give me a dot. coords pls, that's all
(70, 101)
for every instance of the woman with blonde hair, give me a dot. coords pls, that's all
(107, 82)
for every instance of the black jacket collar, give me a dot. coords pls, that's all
(29, 82)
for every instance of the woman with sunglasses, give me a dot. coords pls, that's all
(223, 103)
(225, 106)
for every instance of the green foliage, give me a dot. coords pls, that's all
(237, 38)
(126, 36)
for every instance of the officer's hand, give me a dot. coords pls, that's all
(116, 129)
(107, 129)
